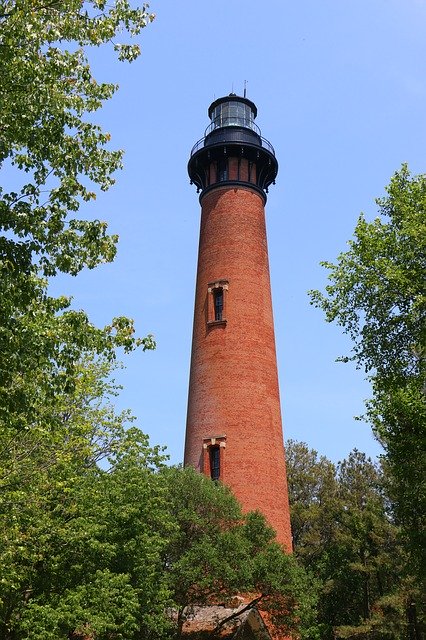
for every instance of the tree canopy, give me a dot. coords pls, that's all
(55, 158)
(125, 550)
(48, 96)
(346, 535)
(377, 293)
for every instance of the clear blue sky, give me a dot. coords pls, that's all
(340, 90)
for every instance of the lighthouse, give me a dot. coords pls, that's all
(234, 427)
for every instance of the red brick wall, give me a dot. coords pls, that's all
(233, 382)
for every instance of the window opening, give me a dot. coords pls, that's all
(216, 307)
(213, 457)
(214, 462)
(218, 303)
(222, 171)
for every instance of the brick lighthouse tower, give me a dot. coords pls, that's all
(234, 431)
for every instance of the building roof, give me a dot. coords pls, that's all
(242, 622)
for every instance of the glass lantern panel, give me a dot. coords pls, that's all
(232, 114)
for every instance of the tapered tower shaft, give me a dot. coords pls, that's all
(234, 431)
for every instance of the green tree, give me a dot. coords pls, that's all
(371, 554)
(312, 489)
(217, 553)
(103, 553)
(54, 363)
(60, 532)
(56, 158)
(377, 294)
(351, 544)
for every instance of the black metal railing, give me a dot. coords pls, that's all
(200, 143)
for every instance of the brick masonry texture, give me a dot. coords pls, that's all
(233, 389)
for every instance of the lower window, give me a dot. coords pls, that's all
(214, 455)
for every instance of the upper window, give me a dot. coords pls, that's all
(216, 307)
